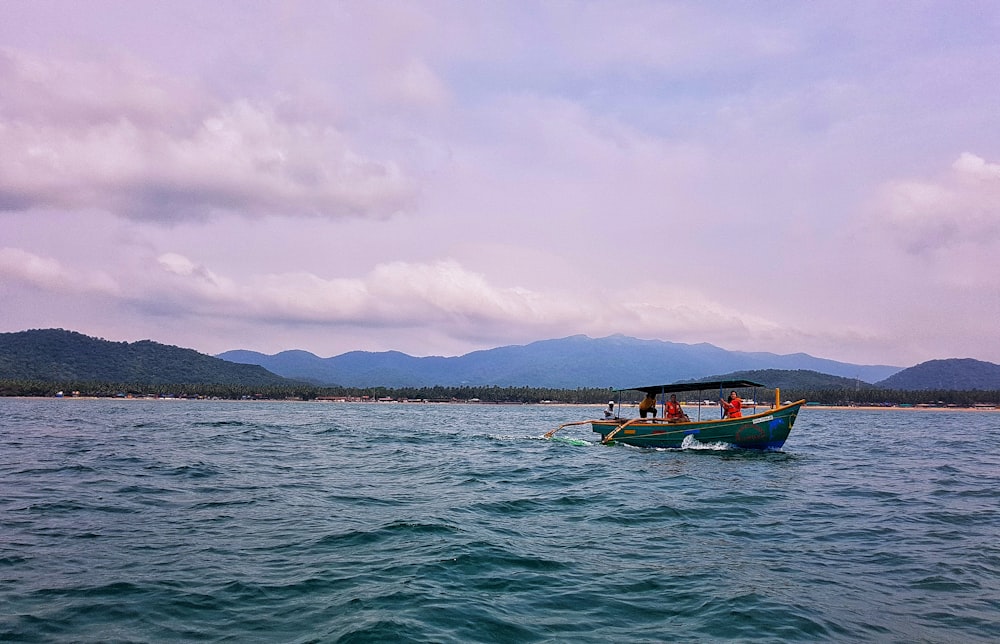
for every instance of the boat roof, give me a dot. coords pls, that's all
(693, 386)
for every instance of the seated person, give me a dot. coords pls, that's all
(610, 411)
(674, 413)
(732, 406)
(648, 405)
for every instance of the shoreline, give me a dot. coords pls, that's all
(761, 408)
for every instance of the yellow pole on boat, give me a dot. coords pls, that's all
(606, 439)
(777, 396)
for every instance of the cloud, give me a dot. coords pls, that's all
(960, 207)
(393, 294)
(442, 296)
(49, 274)
(413, 84)
(975, 169)
(150, 149)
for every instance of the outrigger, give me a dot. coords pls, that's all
(766, 430)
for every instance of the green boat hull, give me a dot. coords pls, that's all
(767, 430)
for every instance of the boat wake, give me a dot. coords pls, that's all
(579, 442)
(692, 443)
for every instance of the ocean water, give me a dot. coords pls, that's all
(153, 521)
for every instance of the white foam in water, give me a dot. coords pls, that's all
(690, 442)
(565, 439)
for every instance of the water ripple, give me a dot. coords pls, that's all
(195, 520)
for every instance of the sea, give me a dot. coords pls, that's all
(256, 521)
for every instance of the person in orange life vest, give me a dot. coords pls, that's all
(674, 412)
(648, 405)
(733, 406)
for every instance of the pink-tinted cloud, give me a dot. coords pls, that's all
(145, 152)
(459, 303)
(960, 206)
(777, 177)
(50, 275)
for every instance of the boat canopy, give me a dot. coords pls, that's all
(693, 386)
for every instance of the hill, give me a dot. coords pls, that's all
(52, 355)
(575, 361)
(955, 374)
(797, 380)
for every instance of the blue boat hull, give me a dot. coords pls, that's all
(767, 430)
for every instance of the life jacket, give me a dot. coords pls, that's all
(733, 408)
(674, 410)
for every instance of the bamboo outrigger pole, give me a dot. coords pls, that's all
(550, 434)
(606, 439)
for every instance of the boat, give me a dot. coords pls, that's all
(766, 430)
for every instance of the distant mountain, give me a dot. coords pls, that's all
(52, 355)
(960, 374)
(576, 361)
(796, 380)
(306, 366)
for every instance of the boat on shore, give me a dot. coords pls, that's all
(765, 430)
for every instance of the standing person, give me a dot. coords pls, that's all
(610, 411)
(648, 405)
(674, 413)
(732, 406)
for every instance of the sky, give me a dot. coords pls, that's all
(442, 177)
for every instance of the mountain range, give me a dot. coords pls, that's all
(575, 361)
(50, 355)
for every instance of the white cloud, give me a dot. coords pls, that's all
(971, 167)
(441, 295)
(142, 152)
(17, 265)
(414, 84)
(585, 146)
(394, 294)
(959, 207)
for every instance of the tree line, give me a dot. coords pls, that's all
(865, 396)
